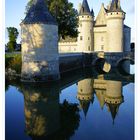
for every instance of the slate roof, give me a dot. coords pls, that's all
(125, 26)
(115, 7)
(85, 10)
(39, 13)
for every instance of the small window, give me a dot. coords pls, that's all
(102, 47)
(88, 38)
(117, 13)
(102, 38)
(81, 90)
(89, 48)
(111, 13)
(81, 38)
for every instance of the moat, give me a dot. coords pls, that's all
(83, 105)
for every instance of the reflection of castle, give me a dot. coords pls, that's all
(108, 92)
(42, 111)
(45, 117)
(107, 33)
(85, 94)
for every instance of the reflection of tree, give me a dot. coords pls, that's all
(12, 82)
(69, 120)
(6, 85)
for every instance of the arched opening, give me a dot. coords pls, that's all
(102, 66)
(126, 66)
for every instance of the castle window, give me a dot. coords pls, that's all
(117, 13)
(81, 90)
(81, 38)
(102, 47)
(88, 16)
(102, 38)
(83, 9)
(111, 13)
(88, 38)
(82, 16)
(89, 48)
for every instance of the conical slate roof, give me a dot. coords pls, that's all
(39, 13)
(115, 6)
(85, 8)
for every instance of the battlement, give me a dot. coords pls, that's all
(115, 15)
(86, 17)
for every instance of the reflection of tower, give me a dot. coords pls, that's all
(42, 111)
(113, 97)
(100, 89)
(85, 94)
(109, 92)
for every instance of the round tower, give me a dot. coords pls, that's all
(40, 58)
(86, 21)
(115, 24)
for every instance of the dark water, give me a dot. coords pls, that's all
(82, 106)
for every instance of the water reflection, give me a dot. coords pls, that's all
(85, 94)
(109, 93)
(46, 118)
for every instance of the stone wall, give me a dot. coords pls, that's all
(67, 47)
(127, 38)
(40, 58)
(100, 39)
(68, 62)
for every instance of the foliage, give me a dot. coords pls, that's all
(11, 46)
(65, 15)
(13, 62)
(12, 34)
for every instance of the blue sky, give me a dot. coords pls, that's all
(14, 12)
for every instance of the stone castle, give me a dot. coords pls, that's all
(107, 33)
(42, 53)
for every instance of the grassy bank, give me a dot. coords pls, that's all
(13, 61)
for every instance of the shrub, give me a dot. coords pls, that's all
(14, 62)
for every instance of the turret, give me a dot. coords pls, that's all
(115, 24)
(40, 59)
(86, 20)
(85, 94)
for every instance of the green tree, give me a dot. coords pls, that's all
(12, 34)
(65, 15)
